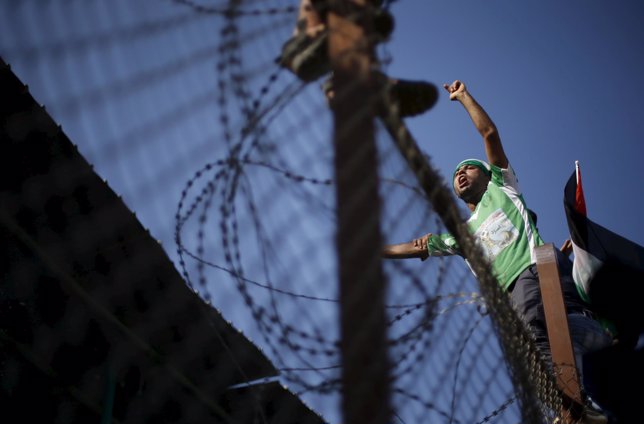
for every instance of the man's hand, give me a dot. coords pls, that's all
(421, 244)
(456, 90)
(566, 247)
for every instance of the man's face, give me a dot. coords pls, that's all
(470, 182)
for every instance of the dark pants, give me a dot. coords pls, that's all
(587, 334)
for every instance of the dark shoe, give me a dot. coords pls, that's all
(412, 97)
(306, 56)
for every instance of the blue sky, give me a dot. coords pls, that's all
(562, 81)
(135, 86)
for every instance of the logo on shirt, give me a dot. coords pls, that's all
(495, 234)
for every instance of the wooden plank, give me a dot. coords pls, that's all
(563, 357)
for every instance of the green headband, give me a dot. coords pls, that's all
(482, 165)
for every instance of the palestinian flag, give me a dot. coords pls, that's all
(607, 268)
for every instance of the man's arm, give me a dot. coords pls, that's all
(423, 247)
(493, 147)
(416, 248)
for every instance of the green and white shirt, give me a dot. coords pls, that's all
(502, 227)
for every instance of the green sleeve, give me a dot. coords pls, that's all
(442, 245)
